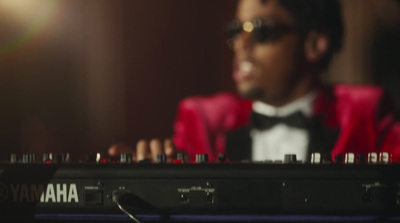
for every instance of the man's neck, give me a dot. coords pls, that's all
(311, 83)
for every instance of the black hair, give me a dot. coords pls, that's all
(320, 15)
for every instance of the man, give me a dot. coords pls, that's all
(281, 47)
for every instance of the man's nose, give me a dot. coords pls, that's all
(243, 42)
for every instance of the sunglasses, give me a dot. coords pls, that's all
(261, 30)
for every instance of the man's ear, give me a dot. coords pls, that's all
(316, 46)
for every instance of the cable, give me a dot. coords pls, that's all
(117, 196)
(131, 216)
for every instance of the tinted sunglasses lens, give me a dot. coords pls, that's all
(233, 29)
(262, 34)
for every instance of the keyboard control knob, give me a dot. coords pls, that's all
(13, 158)
(180, 158)
(222, 158)
(125, 158)
(47, 157)
(372, 158)
(161, 158)
(290, 158)
(349, 158)
(201, 158)
(62, 158)
(93, 158)
(316, 158)
(384, 157)
(28, 158)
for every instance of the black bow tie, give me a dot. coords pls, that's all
(263, 122)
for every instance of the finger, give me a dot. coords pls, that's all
(169, 148)
(120, 148)
(112, 151)
(155, 148)
(142, 150)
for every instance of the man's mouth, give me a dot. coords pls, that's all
(243, 71)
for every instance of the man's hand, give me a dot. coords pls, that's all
(145, 150)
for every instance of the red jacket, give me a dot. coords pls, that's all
(362, 114)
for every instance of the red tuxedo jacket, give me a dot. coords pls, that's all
(359, 119)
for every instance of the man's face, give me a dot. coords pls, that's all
(271, 71)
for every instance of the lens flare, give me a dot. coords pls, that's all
(33, 18)
(248, 27)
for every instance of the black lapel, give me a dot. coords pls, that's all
(321, 138)
(238, 144)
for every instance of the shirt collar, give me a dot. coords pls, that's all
(303, 104)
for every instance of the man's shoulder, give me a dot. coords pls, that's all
(227, 109)
(359, 96)
(358, 92)
(363, 101)
(339, 104)
(220, 103)
(367, 118)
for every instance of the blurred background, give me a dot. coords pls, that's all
(79, 75)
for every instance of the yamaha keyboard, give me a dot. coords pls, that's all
(227, 189)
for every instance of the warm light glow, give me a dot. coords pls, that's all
(21, 9)
(248, 27)
(33, 18)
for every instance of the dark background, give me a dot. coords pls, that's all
(79, 75)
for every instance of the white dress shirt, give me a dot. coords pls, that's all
(272, 144)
